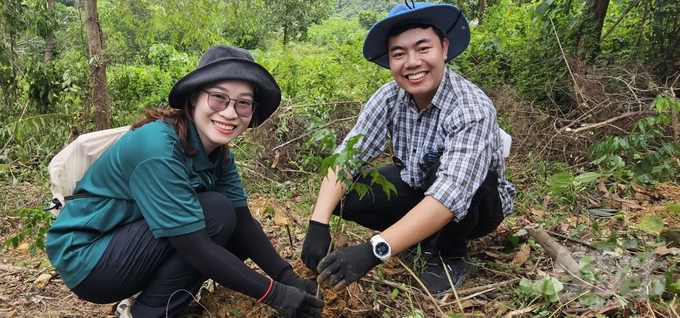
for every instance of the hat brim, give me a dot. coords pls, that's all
(267, 94)
(447, 18)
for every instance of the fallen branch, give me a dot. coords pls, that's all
(586, 244)
(12, 268)
(609, 121)
(557, 252)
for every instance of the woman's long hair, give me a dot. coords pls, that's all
(178, 119)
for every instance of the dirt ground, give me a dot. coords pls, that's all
(30, 288)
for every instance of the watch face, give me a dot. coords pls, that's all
(382, 249)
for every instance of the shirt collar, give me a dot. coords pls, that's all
(445, 88)
(201, 160)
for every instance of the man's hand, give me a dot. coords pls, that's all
(316, 244)
(288, 277)
(347, 265)
(291, 302)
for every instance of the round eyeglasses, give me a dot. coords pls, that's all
(219, 102)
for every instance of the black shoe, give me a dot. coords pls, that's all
(426, 247)
(435, 279)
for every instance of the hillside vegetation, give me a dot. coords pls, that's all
(588, 90)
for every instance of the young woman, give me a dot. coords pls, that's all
(164, 208)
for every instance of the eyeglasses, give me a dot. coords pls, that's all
(219, 102)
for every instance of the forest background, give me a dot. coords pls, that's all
(588, 90)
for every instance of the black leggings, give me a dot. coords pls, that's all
(135, 260)
(376, 211)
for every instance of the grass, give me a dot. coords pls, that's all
(392, 292)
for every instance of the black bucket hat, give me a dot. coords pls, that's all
(221, 63)
(445, 17)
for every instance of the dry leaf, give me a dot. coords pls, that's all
(468, 303)
(521, 256)
(341, 241)
(393, 271)
(603, 188)
(564, 227)
(492, 254)
(537, 212)
(546, 201)
(663, 250)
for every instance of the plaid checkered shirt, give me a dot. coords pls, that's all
(459, 127)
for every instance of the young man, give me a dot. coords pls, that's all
(448, 167)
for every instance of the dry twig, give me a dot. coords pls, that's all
(557, 252)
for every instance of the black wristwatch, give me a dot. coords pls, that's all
(381, 249)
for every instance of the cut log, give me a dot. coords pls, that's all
(557, 252)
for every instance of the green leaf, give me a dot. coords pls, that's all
(395, 293)
(602, 212)
(651, 224)
(591, 299)
(658, 287)
(608, 244)
(630, 284)
(674, 287)
(674, 207)
(587, 177)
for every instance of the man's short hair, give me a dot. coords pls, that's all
(401, 28)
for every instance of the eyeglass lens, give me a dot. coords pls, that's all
(219, 102)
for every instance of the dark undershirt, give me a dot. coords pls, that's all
(223, 266)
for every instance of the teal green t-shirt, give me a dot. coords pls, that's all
(144, 175)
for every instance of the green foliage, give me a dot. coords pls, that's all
(368, 18)
(568, 188)
(349, 159)
(136, 87)
(546, 288)
(335, 32)
(294, 17)
(646, 154)
(35, 222)
(348, 9)
(32, 143)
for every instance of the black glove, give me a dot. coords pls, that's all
(291, 302)
(288, 277)
(347, 265)
(316, 244)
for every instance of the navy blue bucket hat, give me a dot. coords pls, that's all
(220, 63)
(445, 17)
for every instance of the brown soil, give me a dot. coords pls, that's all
(386, 291)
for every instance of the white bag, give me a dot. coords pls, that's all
(507, 143)
(71, 163)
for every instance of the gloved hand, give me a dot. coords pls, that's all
(316, 244)
(288, 277)
(347, 265)
(290, 302)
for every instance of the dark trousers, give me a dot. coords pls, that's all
(377, 212)
(137, 261)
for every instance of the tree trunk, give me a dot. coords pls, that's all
(49, 39)
(590, 29)
(285, 35)
(100, 91)
(480, 13)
